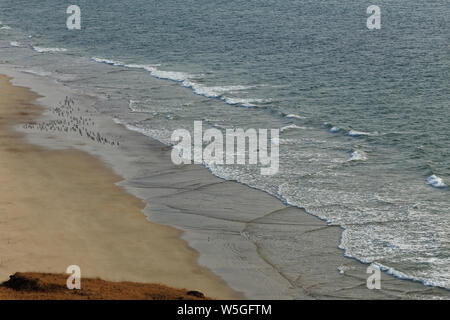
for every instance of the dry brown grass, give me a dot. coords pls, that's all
(48, 286)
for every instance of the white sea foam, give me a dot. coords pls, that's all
(48, 50)
(335, 129)
(358, 155)
(436, 181)
(168, 75)
(15, 44)
(108, 61)
(212, 92)
(250, 102)
(220, 91)
(5, 28)
(291, 127)
(354, 133)
(132, 65)
(401, 275)
(154, 71)
(294, 116)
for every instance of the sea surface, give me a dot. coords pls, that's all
(364, 114)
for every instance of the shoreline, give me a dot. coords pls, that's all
(53, 216)
(219, 230)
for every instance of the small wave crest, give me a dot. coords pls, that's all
(219, 91)
(152, 69)
(335, 129)
(436, 181)
(108, 61)
(358, 155)
(332, 128)
(290, 127)
(355, 133)
(48, 50)
(250, 103)
(294, 116)
(166, 75)
(212, 92)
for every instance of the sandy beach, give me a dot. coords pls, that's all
(284, 150)
(60, 208)
(111, 210)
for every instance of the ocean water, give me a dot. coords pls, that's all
(365, 114)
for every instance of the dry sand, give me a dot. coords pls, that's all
(59, 208)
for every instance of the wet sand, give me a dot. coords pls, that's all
(60, 208)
